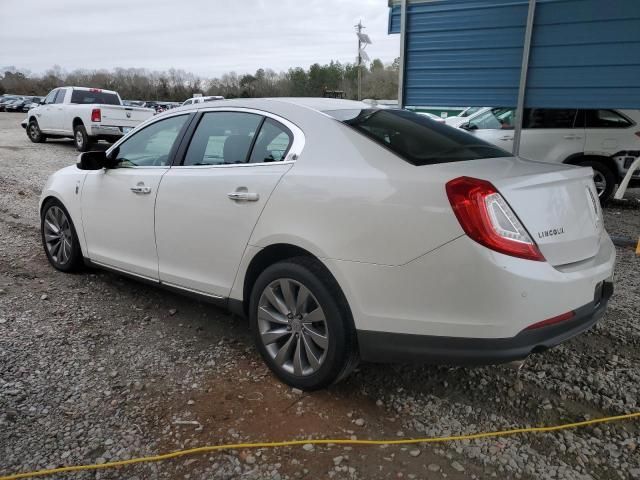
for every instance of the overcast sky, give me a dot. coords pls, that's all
(206, 37)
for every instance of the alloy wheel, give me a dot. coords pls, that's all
(600, 182)
(33, 131)
(57, 235)
(293, 327)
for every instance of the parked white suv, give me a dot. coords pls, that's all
(606, 140)
(84, 114)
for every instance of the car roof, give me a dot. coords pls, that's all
(276, 103)
(86, 89)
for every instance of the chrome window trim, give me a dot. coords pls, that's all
(297, 145)
(146, 124)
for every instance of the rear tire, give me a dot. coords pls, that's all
(310, 354)
(59, 237)
(34, 133)
(603, 177)
(81, 138)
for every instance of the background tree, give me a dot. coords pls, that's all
(378, 82)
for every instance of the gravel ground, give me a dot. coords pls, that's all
(96, 368)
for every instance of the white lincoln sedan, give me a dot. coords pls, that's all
(343, 232)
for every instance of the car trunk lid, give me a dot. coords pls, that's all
(557, 204)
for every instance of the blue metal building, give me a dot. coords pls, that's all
(554, 53)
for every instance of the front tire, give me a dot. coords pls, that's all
(603, 177)
(302, 324)
(81, 138)
(34, 133)
(59, 237)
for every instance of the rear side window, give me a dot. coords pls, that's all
(605, 119)
(272, 143)
(222, 138)
(94, 96)
(417, 139)
(549, 118)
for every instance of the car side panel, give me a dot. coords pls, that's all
(343, 189)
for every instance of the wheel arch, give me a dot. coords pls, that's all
(609, 162)
(77, 121)
(270, 255)
(74, 214)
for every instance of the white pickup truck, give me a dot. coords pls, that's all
(84, 114)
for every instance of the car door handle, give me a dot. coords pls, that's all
(572, 137)
(140, 189)
(244, 196)
(506, 137)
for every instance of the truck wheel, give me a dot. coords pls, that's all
(34, 133)
(603, 178)
(81, 139)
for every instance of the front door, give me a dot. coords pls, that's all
(45, 113)
(208, 206)
(118, 204)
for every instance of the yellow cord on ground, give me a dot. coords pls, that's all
(291, 443)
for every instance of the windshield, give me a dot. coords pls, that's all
(94, 96)
(416, 138)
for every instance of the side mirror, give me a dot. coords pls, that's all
(468, 127)
(41, 102)
(95, 160)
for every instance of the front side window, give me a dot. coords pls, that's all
(60, 96)
(606, 119)
(415, 138)
(152, 145)
(549, 118)
(222, 138)
(272, 143)
(51, 97)
(494, 119)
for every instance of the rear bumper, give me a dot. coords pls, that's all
(106, 131)
(398, 347)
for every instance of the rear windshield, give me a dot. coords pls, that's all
(416, 138)
(88, 96)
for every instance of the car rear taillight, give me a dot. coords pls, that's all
(637, 134)
(96, 116)
(552, 320)
(487, 218)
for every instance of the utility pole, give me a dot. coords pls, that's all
(363, 41)
(359, 28)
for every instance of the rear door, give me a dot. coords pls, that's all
(608, 132)
(208, 205)
(552, 135)
(118, 204)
